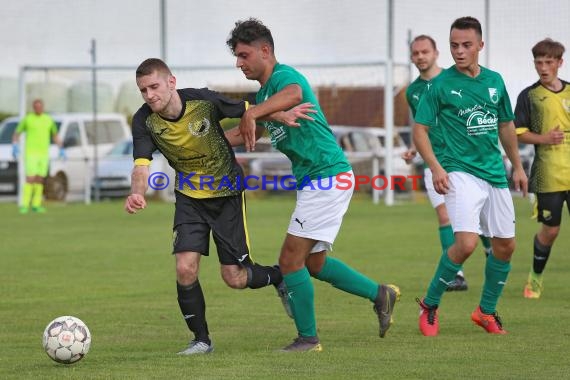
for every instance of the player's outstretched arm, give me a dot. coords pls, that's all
(139, 185)
(236, 139)
(284, 100)
(291, 117)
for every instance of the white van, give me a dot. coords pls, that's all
(81, 138)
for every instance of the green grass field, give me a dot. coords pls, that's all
(116, 273)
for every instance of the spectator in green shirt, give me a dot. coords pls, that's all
(38, 127)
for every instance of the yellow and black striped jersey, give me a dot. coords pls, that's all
(540, 110)
(194, 144)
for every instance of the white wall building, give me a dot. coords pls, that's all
(306, 32)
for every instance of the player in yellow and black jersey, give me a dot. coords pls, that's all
(193, 142)
(184, 125)
(542, 118)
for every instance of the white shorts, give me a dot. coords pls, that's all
(475, 206)
(319, 211)
(435, 198)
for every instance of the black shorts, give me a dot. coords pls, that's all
(223, 216)
(549, 207)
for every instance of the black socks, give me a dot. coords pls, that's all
(193, 307)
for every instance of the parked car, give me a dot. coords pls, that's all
(113, 177)
(81, 138)
(8, 166)
(360, 145)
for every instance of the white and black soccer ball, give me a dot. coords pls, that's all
(66, 339)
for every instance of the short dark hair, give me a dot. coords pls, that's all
(150, 65)
(423, 37)
(548, 48)
(249, 31)
(468, 22)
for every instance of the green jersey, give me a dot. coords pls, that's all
(38, 130)
(414, 94)
(312, 147)
(468, 112)
(415, 91)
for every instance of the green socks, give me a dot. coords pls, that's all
(486, 245)
(335, 272)
(38, 193)
(496, 273)
(27, 194)
(343, 277)
(301, 299)
(446, 236)
(444, 274)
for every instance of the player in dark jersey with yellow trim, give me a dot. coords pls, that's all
(185, 126)
(542, 118)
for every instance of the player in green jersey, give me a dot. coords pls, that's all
(315, 158)
(542, 118)
(471, 107)
(424, 54)
(39, 128)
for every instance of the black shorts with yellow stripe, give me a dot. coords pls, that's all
(549, 207)
(224, 217)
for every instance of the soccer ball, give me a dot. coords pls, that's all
(66, 339)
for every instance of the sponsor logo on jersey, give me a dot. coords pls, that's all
(493, 95)
(199, 128)
(458, 93)
(156, 127)
(276, 132)
(481, 122)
